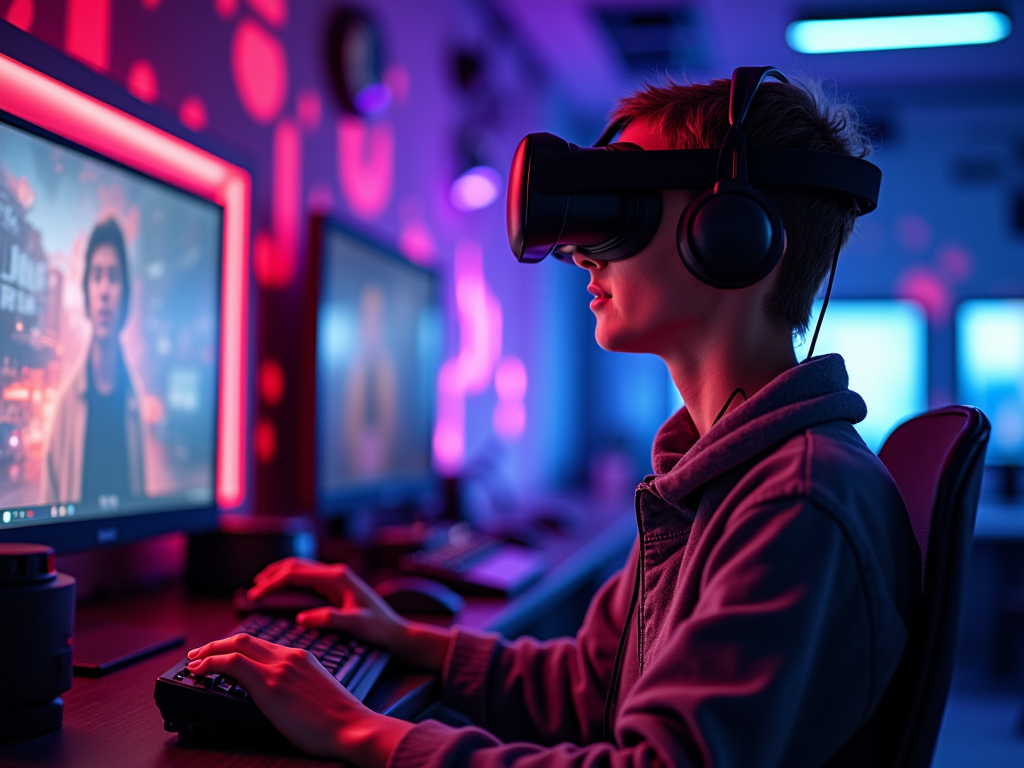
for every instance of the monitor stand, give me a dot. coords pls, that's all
(108, 647)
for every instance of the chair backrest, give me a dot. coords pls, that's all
(937, 460)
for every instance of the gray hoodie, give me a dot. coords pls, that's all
(775, 576)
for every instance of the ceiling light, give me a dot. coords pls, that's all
(477, 188)
(886, 33)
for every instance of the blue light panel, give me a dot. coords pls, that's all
(886, 33)
(990, 371)
(885, 345)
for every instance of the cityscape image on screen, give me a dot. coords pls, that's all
(109, 337)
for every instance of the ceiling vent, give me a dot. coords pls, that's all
(654, 40)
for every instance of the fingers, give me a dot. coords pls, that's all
(238, 666)
(253, 647)
(279, 565)
(330, 618)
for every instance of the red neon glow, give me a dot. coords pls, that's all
(396, 78)
(192, 113)
(271, 381)
(307, 109)
(510, 411)
(510, 379)
(274, 12)
(286, 203)
(366, 164)
(450, 424)
(266, 441)
(479, 319)
(926, 288)
(20, 13)
(225, 8)
(142, 82)
(260, 70)
(87, 32)
(150, 5)
(56, 107)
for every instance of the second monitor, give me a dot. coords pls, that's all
(378, 343)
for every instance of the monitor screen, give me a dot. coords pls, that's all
(990, 371)
(885, 345)
(109, 338)
(379, 337)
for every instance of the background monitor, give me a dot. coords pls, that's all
(378, 350)
(990, 371)
(111, 335)
(885, 345)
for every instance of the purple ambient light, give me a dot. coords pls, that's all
(373, 99)
(477, 188)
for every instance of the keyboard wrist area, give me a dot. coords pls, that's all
(422, 645)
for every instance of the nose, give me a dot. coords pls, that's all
(588, 262)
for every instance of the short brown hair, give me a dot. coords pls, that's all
(782, 115)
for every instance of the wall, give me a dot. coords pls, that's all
(253, 73)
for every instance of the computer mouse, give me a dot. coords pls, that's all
(416, 596)
(285, 603)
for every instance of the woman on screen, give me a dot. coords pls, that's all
(95, 451)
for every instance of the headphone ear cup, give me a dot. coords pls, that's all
(731, 236)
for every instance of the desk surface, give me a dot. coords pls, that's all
(113, 721)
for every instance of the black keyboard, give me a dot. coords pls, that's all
(216, 705)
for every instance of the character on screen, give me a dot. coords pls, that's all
(96, 444)
(372, 407)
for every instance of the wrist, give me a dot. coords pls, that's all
(370, 741)
(424, 645)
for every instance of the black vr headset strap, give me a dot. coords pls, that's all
(732, 160)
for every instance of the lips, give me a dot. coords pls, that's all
(598, 291)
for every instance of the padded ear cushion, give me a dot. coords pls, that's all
(731, 237)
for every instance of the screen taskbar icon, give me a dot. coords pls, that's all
(37, 513)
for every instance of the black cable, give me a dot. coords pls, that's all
(613, 685)
(824, 304)
(721, 413)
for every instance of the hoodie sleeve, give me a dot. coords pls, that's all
(773, 667)
(543, 692)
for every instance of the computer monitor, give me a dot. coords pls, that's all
(122, 315)
(990, 371)
(378, 343)
(885, 345)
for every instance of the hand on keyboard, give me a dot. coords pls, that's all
(358, 611)
(299, 696)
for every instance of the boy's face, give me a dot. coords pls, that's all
(649, 302)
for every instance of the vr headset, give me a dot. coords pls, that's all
(605, 201)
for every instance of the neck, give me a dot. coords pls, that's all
(706, 370)
(103, 361)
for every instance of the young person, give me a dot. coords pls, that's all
(96, 442)
(767, 601)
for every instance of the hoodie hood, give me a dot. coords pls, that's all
(813, 392)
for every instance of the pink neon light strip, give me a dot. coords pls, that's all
(56, 107)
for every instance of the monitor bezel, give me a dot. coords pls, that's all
(23, 50)
(373, 494)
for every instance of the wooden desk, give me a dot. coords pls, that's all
(112, 721)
